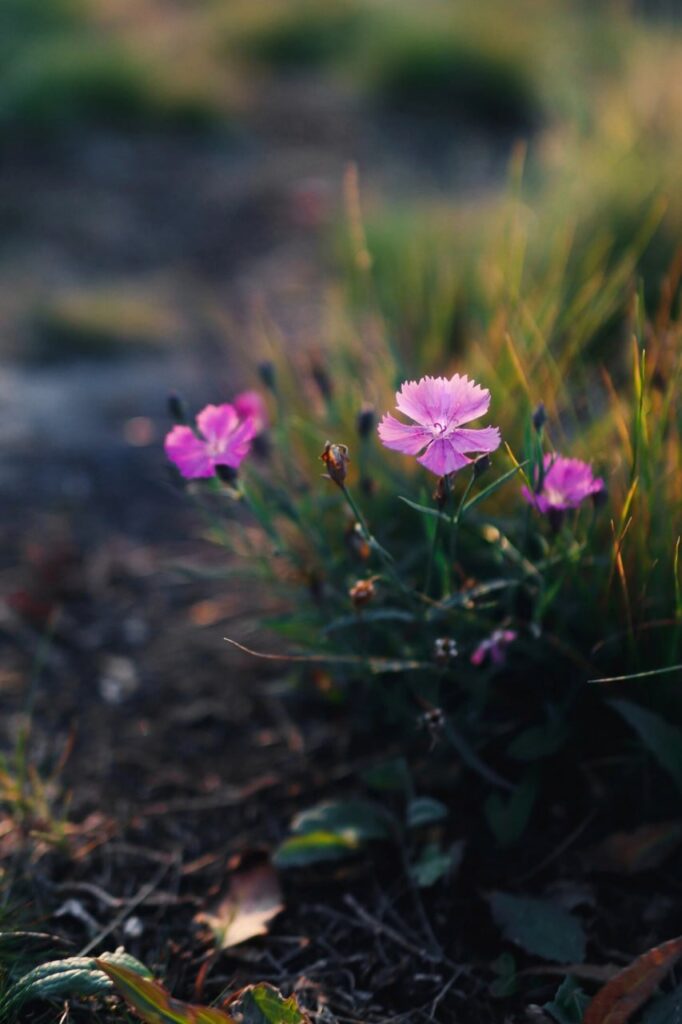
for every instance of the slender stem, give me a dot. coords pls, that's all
(385, 556)
(455, 524)
(432, 555)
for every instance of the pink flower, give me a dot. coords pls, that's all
(439, 407)
(566, 483)
(251, 403)
(494, 646)
(226, 441)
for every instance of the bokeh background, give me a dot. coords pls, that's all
(179, 176)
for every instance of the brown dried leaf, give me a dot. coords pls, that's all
(621, 997)
(253, 899)
(645, 848)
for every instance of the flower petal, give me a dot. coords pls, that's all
(216, 422)
(442, 458)
(467, 439)
(188, 453)
(439, 401)
(238, 444)
(403, 437)
(251, 403)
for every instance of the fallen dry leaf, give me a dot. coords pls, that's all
(621, 997)
(253, 899)
(645, 848)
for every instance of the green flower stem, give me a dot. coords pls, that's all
(385, 556)
(454, 531)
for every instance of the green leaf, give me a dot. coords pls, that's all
(660, 737)
(153, 1003)
(77, 975)
(538, 741)
(354, 820)
(505, 984)
(508, 817)
(392, 775)
(263, 1004)
(313, 848)
(665, 1010)
(424, 810)
(434, 863)
(370, 615)
(426, 509)
(540, 927)
(491, 488)
(569, 1003)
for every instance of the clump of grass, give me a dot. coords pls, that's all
(305, 35)
(100, 324)
(428, 71)
(58, 69)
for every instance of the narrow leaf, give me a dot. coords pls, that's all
(153, 1003)
(660, 737)
(621, 997)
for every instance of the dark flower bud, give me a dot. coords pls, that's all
(482, 465)
(323, 381)
(227, 474)
(336, 458)
(365, 421)
(539, 417)
(600, 497)
(362, 592)
(266, 372)
(357, 544)
(177, 409)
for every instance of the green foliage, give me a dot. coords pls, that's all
(569, 1003)
(60, 978)
(539, 927)
(661, 738)
(305, 35)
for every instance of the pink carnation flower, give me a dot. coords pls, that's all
(566, 483)
(439, 407)
(225, 441)
(251, 403)
(494, 647)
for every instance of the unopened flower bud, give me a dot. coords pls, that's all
(323, 381)
(482, 465)
(362, 592)
(600, 497)
(336, 458)
(355, 539)
(266, 372)
(444, 650)
(177, 409)
(365, 421)
(539, 417)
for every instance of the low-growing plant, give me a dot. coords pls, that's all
(478, 587)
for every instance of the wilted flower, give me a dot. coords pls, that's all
(336, 458)
(444, 650)
(225, 441)
(362, 592)
(439, 407)
(565, 484)
(494, 647)
(251, 403)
